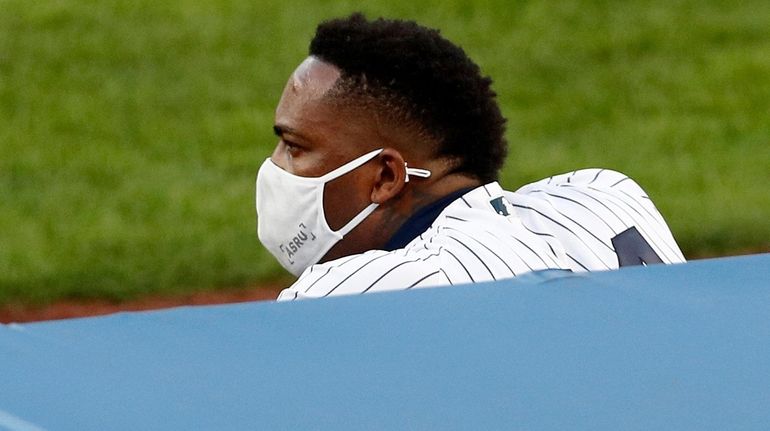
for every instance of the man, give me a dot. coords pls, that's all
(384, 177)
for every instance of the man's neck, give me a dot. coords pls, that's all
(422, 219)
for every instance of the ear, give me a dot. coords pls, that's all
(390, 176)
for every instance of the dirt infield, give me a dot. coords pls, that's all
(69, 309)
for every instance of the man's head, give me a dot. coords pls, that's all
(390, 85)
(414, 79)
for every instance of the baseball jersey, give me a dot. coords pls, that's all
(587, 220)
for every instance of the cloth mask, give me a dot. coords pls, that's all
(290, 215)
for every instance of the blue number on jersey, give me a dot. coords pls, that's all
(633, 249)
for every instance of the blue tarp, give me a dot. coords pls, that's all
(663, 347)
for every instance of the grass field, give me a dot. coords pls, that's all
(131, 131)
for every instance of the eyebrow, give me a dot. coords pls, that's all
(280, 130)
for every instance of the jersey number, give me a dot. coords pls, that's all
(633, 249)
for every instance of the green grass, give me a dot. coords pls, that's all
(131, 131)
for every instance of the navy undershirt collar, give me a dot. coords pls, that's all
(420, 221)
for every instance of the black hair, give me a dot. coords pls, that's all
(418, 78)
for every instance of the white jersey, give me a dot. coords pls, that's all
(588, 220)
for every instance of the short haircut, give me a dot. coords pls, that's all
(418, 79)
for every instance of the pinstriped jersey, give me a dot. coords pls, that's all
(587, 220)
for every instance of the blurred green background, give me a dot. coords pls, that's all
(131, 131)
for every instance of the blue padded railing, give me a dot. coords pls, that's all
(662, 347)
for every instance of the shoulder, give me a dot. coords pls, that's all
(587, 209)
(601, 192)
(373, 271)
(590, 179)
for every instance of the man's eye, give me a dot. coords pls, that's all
(291, 147)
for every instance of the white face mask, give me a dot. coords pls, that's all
(291, 221)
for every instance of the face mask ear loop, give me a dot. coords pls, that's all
(417, 172)
(357, 219)
(349, 166)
